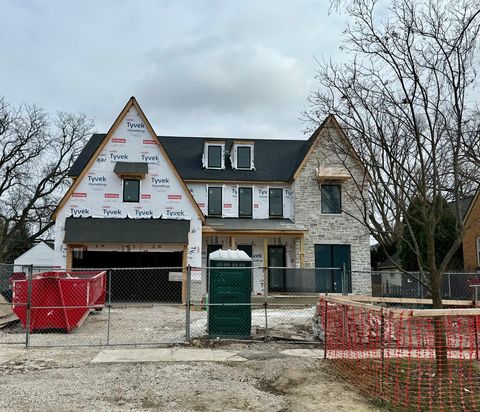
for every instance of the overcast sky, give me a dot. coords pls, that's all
(197, 68)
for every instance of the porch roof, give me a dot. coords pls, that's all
(219, 225)
(115, 230)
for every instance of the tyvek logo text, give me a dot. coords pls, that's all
(143, 213)
(112, 212)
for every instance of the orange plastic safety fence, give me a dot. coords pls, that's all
(413, 363)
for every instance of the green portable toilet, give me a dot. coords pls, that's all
(230, 284)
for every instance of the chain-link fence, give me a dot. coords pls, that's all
(10, 332)
(458, 285)
(83, 307)
(141, 306)
(254, 303)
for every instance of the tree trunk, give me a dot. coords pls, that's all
(440, 339)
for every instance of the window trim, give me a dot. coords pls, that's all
(123, 190)
(234, 156)
(321, 199)
(222, 155)
(208, 201)
(270, 215)
(251, 202)
(241, 146)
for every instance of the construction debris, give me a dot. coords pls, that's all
(6, 314)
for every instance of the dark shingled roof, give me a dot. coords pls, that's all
(284, 225)
(275, 160)
(111, 230)
(131, 168)
(466, 205)
(86, 154)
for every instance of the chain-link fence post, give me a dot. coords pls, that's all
(187, 304)
(344, 280)
(265, 305)
(265, 281)
(29, 304)
(449, 286)
(109, 304)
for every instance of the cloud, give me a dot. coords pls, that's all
(197, 68)
(210, 74)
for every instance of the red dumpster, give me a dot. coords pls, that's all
(59, 300)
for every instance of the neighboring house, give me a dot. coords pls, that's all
(144, 200)
(471, 238)
(40, 255)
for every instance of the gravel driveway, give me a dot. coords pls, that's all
(62, 379)
(150, 324)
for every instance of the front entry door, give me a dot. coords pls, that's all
(277, 278)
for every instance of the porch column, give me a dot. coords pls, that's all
(69, 258)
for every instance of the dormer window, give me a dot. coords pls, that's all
(214, 155)
(242, 158)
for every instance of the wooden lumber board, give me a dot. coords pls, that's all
(5, 320)
(395, 312)
(409, 301)
(344, 300)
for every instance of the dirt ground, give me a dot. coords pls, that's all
(62, 379)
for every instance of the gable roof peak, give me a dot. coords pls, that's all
(132, 102)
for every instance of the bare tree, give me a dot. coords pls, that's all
(36, 152)
(406, 98)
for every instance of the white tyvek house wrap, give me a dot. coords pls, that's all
(288, 203)
(200, 194)
(230, 199)
(260, 202)
(100, 192)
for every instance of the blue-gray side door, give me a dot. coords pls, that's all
(329, 260)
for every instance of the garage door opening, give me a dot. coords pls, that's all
(144, 280)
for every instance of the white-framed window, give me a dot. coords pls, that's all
(242, 156)
(214, 155)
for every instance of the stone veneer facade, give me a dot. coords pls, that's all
(329, 228)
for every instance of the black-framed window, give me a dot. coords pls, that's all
(214, 201)
(131, 190)
(214, 156)
(245, 202)
(275, 202)
(244, 157)
(331, 199)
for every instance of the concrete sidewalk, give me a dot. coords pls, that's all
(197, 355)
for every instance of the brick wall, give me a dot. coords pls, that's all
(332, 229)
(470, 239)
